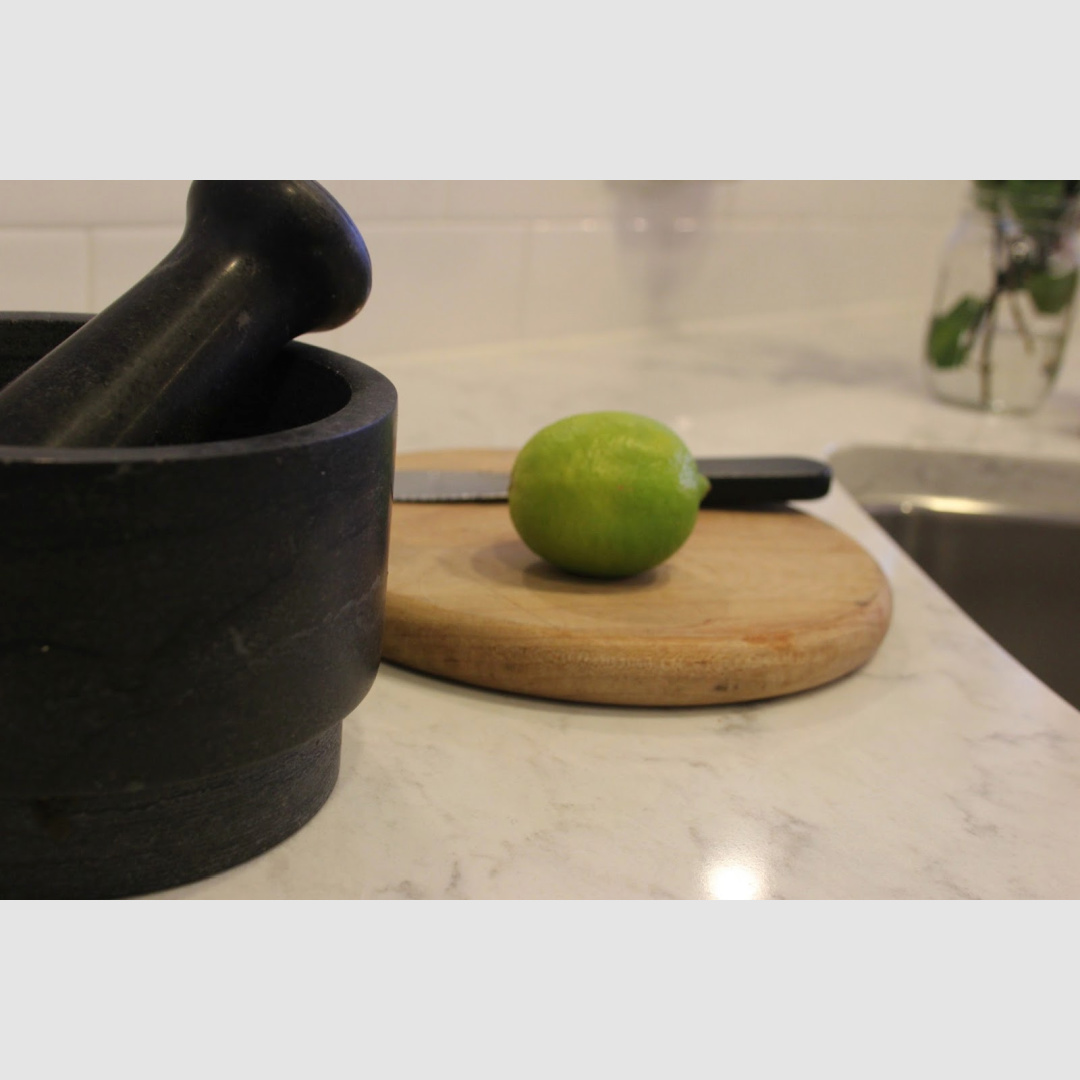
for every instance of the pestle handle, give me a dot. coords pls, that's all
(259, 263)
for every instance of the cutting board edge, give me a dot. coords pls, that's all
(517, 663)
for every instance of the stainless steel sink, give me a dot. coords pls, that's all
(1000, 535)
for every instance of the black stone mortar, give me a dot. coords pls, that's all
(184, 628)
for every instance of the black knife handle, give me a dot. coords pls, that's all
(747, 481)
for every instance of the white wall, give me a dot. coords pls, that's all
(465, 262)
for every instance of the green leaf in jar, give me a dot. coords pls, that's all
(1036, 201)
(988, 193)
(1052, 293)
(952, 334)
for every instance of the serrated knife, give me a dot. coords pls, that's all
(733, 482)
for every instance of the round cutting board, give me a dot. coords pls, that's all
(756, 604)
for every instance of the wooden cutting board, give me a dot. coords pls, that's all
(756, 604)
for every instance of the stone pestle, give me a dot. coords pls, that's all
(259, 263)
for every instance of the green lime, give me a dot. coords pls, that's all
(605, 494)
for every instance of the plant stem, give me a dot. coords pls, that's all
(1021, 325)
(999, 262)
(985, 371)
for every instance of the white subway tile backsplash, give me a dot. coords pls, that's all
(929, 200)
(121, 257)
(667, 201)
(739, 269)
(464, 262)
(528, 198)
(746, 268)
(43, 270)
(164, 202)
(582, 277)
(933, 202)
(878, 262)
(92, 202)
(381, 200)
(574, 199)
(438, 286)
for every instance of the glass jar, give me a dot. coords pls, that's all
(1005, 296)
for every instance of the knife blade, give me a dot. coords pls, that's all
(733, 482)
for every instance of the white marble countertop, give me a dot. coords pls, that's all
(941, 769)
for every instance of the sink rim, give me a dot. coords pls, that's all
(960, 492)
(959, 481)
